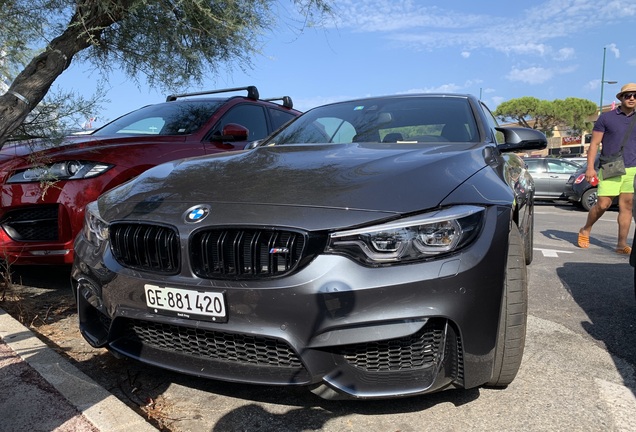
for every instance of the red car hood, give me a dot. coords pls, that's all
(22, 148)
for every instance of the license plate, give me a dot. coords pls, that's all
(191, 304)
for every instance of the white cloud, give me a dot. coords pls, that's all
(433, 27)
(465, 54)
(308, 103)
(532, 75)
(470, 86)
(444, 88)
(527, 48)
(496, 100)
(614, 50)
(564, 54)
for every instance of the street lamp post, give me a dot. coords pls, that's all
(603, 82)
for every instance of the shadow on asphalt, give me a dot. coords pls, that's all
(316, 412)
(38, 295)
(45, 277)
(610, 305)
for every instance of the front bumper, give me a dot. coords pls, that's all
(362, 332)
(38, 223)
(570, 194)
(36, 234)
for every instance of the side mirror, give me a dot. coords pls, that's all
(232, 132)
(518, 138)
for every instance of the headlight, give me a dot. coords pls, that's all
(66, 170)
(410, 239)
(95, 228)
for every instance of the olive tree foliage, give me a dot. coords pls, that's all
(171, 43)
(571, 114)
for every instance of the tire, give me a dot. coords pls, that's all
(528, 241)
(588, 199)
(511, 337)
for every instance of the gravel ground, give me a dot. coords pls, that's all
(41, 299)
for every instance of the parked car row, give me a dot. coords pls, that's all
(562, 179)
(550, 176)
(370, 248)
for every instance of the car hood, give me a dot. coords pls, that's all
(23, 148)
(71, 146)
(284, 183)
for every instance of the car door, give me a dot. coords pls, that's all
(537, 168)
(558, 173)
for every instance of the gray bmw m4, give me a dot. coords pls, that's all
(372, 248)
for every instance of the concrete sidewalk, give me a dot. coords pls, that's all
(41, 391)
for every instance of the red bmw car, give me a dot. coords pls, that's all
(45, 187)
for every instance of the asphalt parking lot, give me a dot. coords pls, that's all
(577, 373)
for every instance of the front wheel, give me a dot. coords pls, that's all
(589, 198)
(528, 241)
(513, 316)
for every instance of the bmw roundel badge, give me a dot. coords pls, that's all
(197, 213)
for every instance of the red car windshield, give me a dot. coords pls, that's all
(169, 118)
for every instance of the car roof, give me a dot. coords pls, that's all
(405, 96)
(252, 93)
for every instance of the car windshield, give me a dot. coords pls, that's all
(401, 119)
(170, 118)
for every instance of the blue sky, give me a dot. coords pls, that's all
(549, 49)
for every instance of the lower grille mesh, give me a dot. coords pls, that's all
(213, 345)
(420, 350)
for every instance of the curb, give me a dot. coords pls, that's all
(97, 405)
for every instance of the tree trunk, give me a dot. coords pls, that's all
(32, 84)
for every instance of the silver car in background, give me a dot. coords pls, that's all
(551, 176)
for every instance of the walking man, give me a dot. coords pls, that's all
(610, 129)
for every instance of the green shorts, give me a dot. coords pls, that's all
(616, 185)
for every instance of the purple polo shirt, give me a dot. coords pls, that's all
(614, 125)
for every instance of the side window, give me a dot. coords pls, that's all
(250, 116)
(338, 130)
(492, 124)
(561, 167)
(534, 166)
(279, 117)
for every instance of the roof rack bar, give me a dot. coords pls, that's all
(252, 93)
(287, 101)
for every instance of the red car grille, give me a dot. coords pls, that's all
(32, 224)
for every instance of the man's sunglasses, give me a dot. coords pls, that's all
(629, 95)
